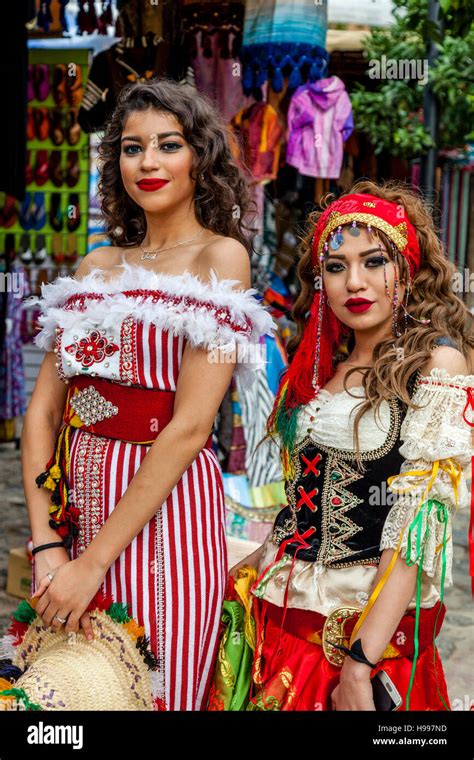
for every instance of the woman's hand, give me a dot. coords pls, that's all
(354, 691)
(252, 560)
(68, 595)
(47, 560)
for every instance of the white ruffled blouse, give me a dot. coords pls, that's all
(210, 314)
(435, 433)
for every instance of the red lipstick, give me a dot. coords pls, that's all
(358, 305)
(151, 184)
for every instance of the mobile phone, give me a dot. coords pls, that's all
(386, 696)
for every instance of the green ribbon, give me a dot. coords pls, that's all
(442, 515)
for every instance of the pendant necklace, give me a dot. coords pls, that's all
(152, 254)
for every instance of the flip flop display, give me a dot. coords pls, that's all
(50, 224)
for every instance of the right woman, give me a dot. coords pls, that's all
(374, 419)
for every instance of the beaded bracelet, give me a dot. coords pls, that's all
(355, 652)
(46, 546)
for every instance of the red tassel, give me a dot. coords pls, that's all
(300, 373)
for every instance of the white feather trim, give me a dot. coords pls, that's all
(198, 325)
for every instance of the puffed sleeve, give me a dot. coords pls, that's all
(432, 483)
(217, 315)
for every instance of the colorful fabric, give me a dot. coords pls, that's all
(283, 36)
(260, 132)
(230, 685)
(319, 122)
(174, 572)
(292, 673)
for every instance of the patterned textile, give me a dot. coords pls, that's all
(283, 37)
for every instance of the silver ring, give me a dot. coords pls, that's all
(50, 576)
(61, 620)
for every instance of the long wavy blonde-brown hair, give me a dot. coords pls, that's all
(395, 360)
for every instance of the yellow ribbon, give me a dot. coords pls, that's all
(454, 470)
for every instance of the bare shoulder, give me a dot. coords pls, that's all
(446, 357)
(104, 257)
(228, 257)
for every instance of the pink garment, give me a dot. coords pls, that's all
(319, 122)
(220, 78)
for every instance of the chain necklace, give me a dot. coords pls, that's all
(152, 254)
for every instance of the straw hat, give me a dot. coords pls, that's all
(42, 669)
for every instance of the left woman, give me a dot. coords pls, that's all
(141, 346)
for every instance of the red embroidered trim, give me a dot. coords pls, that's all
(222, 313)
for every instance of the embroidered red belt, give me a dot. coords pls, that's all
(104, 408)
(126, 412)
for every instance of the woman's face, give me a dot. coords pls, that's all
(156, 160)
(355, 272)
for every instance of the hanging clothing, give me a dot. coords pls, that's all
(283, 38)
(317, 569)
(212, 37)
(319, 121)
(12, 375)
(260, 132)
(131, 331)
(110, 71)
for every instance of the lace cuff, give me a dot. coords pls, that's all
(432, 483)
(441, 429)
(424, 527)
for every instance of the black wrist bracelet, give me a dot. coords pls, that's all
(355, 652)
(47, 546)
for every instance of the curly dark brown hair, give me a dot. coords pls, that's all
(432, 296)
(222, 197)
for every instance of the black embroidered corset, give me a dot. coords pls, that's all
(346, 507)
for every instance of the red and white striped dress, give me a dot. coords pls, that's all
(174, 572)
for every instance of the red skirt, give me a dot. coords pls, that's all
(292, 673)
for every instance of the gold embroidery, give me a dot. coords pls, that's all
(335, 462)
(398, 235)
(333, 633)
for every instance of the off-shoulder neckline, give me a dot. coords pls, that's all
(436, 374)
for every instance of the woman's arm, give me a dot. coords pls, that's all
(41, 424)
(40, 427)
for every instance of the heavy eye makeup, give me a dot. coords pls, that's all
(132, 149)
(371, 263)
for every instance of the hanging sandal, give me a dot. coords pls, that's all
(41, 121)
(57, 253)
(40, 253)
(73, 129)
(56, 131)
(56, 174)
(55, 213)
(72, 168)
(41, 171)
(73, 212)
(30, 124)
(59, 84)
(24, 251)
(39, 210)
(41, 81)
(10, 210)
(74, 88)
(71, 250)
